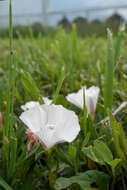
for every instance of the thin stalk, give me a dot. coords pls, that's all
(50, 174)
(85, 130)
(8, 108)
(6, 131)
(113, 183)
(8, 123)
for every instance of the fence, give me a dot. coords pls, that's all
(52, 17)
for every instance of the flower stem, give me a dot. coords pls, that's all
(50, 174)
(113, 183)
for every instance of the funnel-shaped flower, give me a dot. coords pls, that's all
(91, 97)
(31, 104)
(51, 124)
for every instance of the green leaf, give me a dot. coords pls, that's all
(99, 153)
(102, 151)
(90, 153)
(4, 184)
(84, 180)
(115, 162)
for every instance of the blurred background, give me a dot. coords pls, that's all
(91, 17)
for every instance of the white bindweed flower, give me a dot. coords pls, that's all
(91, 97)
(31, 104)
(51, 124)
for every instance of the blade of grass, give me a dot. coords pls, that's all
(86, 140)
(116, 139)
(91, 127)
(118, 45)
(13, 153)
(61, 79)
(4, 184)
(13, 73)
(73, 56)
(31, 87)
(8, 124)
(123, 139)
(6, 131)
(109, 72)
(85, 130)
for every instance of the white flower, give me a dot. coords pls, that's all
(47, 101)
(51, 124)
(31, 104)
(91, 97)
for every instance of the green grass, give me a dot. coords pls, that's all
(54, 66)
(43, 59)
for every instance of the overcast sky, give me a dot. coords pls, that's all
(69, 4)
(35, 6)
(77, 4)
(22, 7)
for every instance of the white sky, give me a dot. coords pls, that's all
(22, 7)
(35, 6)
(70, 4)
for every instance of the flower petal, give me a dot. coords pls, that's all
(52, 124)
(47, 101)
(70, 127)
(76, 98)
(34, 118)
(91, 97)
(93, 93)
(29, 105)
(65, 125)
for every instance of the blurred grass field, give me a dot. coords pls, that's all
(83, 60)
